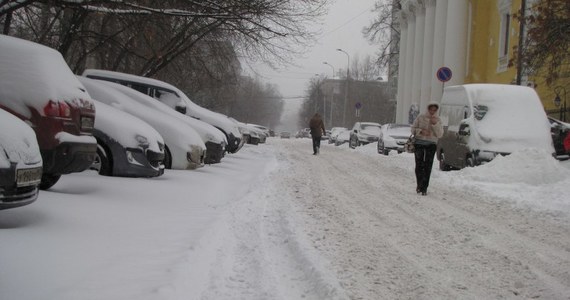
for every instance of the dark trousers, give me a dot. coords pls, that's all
(424, 162)
(316, 143)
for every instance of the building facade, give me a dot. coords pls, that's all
(474, 39)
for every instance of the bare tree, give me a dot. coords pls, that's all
(547, 40)
(384, 31)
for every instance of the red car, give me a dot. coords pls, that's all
(37, 86)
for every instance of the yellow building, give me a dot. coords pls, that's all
(476, 39)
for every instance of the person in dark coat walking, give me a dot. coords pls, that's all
(427, 129)
(317, 127)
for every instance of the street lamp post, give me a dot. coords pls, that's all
(558, 102)
(346, 89)
(332, 94)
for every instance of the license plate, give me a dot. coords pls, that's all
(87, 123)
(25, 177)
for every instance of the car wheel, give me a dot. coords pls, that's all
(386, 151)
(167, 158)
(442, 165)
(471, 161)
(102, 162)
(48, 180)
(352, 143)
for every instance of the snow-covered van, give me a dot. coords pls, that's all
(37, 86)
(482, 121)
(176, 99)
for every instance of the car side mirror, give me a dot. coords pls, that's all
(464, 130)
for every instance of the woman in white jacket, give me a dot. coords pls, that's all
(427, 129)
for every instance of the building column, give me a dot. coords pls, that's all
(438, 47)
(401, 67)
(407, 99)
(418, 53)
(427, 74)
(456, 41)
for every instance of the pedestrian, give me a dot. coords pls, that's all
(317, 127)
(427, 129)
(566, 143)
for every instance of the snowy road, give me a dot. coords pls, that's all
(346, 225)
(275, 222)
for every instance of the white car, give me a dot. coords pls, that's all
(363, 133)
(214, 139)
(342, 137)
(176, 99)
(184, 148)
(334, 132)
(20, 162)
(393, 137)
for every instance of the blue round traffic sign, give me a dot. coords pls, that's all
(358, 105)
(443, 74)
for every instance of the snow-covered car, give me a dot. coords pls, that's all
(126, 145)
(20, 162)
(177, 100)
(334, 132)
(285, 135)
(262, 128)
(261, 134)
(213, 138)
(342, 137)
(183, 147)
(37, 86)
(363, 133)
(481, 121)
(393, 137)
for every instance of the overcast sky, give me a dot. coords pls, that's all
(342, 29)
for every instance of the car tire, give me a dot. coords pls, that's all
(471, 161)
(352, 143)
(167, 158)
(442, 165)
(386, 151)
(48, 180)
(102, 162)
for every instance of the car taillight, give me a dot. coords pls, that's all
(57, 109)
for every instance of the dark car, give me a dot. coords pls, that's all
(20, 162)
(559, 130)
(126, 145)
(37, 86)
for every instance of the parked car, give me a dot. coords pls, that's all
(393, 137)
(481, 121)
(126, 145)
(334, 132)
(213, 138)
(342, 137)
(363, 133)
(262, 135)
(183, 149)
(20, 162)
(285, 135)
(265, 130)
(559, 130)
(175, 99)
(37, 86)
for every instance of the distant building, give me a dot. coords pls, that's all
(373, 98)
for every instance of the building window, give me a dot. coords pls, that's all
(504, 30)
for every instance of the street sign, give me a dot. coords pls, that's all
(358, 105)
(443, 74)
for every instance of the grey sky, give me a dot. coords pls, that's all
(342, 28)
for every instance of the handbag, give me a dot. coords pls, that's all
(409, 145)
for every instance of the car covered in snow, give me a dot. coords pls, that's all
(363, 133)
(393, 137)
(334, 132)
(20, 162)
(183, 147)
(342, 137)
(177, 100)
(126, 145)
(481, 121)
(213, 138)
(37, 86)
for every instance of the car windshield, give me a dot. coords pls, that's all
(371, 129)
